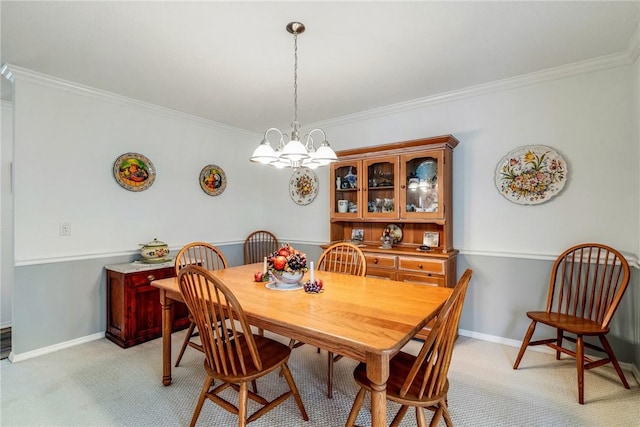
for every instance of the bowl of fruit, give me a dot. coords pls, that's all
(287, 266)
(288, 278)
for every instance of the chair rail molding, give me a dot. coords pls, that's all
(97, 255)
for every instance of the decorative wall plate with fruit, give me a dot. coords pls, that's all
(213, 180)
(303, 186)
(134, 172)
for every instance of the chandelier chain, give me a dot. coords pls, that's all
(292, 151)
(295, 77)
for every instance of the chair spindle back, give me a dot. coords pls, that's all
(209, 299)
(258, 245)
(428, 375)
(344, 258)
(200, 253)
(588, 281)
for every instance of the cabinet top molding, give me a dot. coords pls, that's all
(448, 141)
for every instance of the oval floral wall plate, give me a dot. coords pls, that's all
(531, 175)
(303, 186)
(134, 172)
(213, 180)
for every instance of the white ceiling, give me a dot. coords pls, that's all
(232, 62)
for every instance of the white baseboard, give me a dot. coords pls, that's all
(629, 367)
(13, 358)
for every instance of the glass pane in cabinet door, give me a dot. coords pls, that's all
(422, 185)
(380, 194)
(346, 190)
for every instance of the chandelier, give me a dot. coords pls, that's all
(291, 152)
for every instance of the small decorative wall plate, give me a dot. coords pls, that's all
(134, 172)
(531, 174)
(213, 180)
(303, 186)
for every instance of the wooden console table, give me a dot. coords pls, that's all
(133, 313)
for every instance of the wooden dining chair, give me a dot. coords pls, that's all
(209, 257)
(258, 245)
(232, 357)
(345, 258)
(421, 381)
(586, 286)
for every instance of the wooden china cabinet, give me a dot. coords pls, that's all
(404, 187)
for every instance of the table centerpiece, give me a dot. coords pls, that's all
(287, 266)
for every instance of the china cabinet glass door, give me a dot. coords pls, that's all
(422, 187)
(345, 192)
(381, 194)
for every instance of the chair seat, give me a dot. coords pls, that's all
(572, 324)
(399, 368)
(273, 354)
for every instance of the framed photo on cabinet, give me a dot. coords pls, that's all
(431, 239)
(357, 235)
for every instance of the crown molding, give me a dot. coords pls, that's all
(46, 80)
(628, 57)
(556, 73)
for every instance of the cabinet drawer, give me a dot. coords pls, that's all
(380, 261)
(422, 264)
(143, 278)
(424, 279)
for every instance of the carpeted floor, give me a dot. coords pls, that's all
(100, 384)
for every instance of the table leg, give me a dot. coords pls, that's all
(378, 373)
(166, 303)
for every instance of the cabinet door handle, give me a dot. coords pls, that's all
(375, 261)
(151, 277)
(420, 266)
(402, 186)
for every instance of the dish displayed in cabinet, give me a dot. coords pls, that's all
(427, 170)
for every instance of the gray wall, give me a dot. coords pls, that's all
(502, 290)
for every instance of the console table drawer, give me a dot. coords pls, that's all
(144, 278)
(422, 265)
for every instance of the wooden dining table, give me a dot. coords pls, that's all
(366, 319)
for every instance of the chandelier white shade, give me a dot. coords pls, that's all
(291, 151)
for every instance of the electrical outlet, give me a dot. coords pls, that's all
(65, 229)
